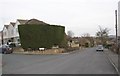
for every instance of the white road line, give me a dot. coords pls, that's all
(115, 67)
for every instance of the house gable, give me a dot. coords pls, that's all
(21, 21)
(12, 23)
(5, 31)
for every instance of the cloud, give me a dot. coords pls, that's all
(74, 14)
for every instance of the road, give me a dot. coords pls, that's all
(86, 61)
(0, 61)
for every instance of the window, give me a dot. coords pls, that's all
(18, 40)
(16, 30)
(12, 32)
(4, 33)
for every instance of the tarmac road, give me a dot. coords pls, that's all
(87, 61)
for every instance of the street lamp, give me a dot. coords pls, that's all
(116, 31)
(2, 37)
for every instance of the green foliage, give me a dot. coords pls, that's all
(107, 45)
(86, 45)
(37, 35)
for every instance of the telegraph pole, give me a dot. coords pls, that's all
(116, 31)
(2, 37)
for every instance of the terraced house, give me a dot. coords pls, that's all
(10, 32)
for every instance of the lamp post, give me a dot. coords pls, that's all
(116, 31)
(2, 37)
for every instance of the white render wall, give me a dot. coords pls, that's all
(10, 31)
(5, 33)
(119, 18)
(16, 34)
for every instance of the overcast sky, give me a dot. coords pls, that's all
(79, 16)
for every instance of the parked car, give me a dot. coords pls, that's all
(14, 44)
(100, 48)
(6, 49)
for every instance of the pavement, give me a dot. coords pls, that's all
(0, 64)
(0, 61)
(43, 52)
(88, 61)
(113, 58)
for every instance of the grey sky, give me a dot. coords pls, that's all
(80, 16)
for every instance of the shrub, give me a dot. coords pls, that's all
(38, 35)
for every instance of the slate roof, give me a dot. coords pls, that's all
(35, 21)
(22, 21)
(6, 26)
(13, 23)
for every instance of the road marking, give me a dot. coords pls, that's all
(113, 64)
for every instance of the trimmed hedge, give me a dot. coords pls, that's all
(37, 35)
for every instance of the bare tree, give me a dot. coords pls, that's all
(102, 34)
(89, 38)
(70, 33)
(86, 35)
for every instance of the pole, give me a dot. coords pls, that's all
(116, 32)
(2, 36)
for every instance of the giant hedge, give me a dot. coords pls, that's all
(37, 35)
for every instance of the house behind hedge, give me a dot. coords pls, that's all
(10, 32)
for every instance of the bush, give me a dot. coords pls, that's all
(71, 49)
(37, 35)
(86, 45)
